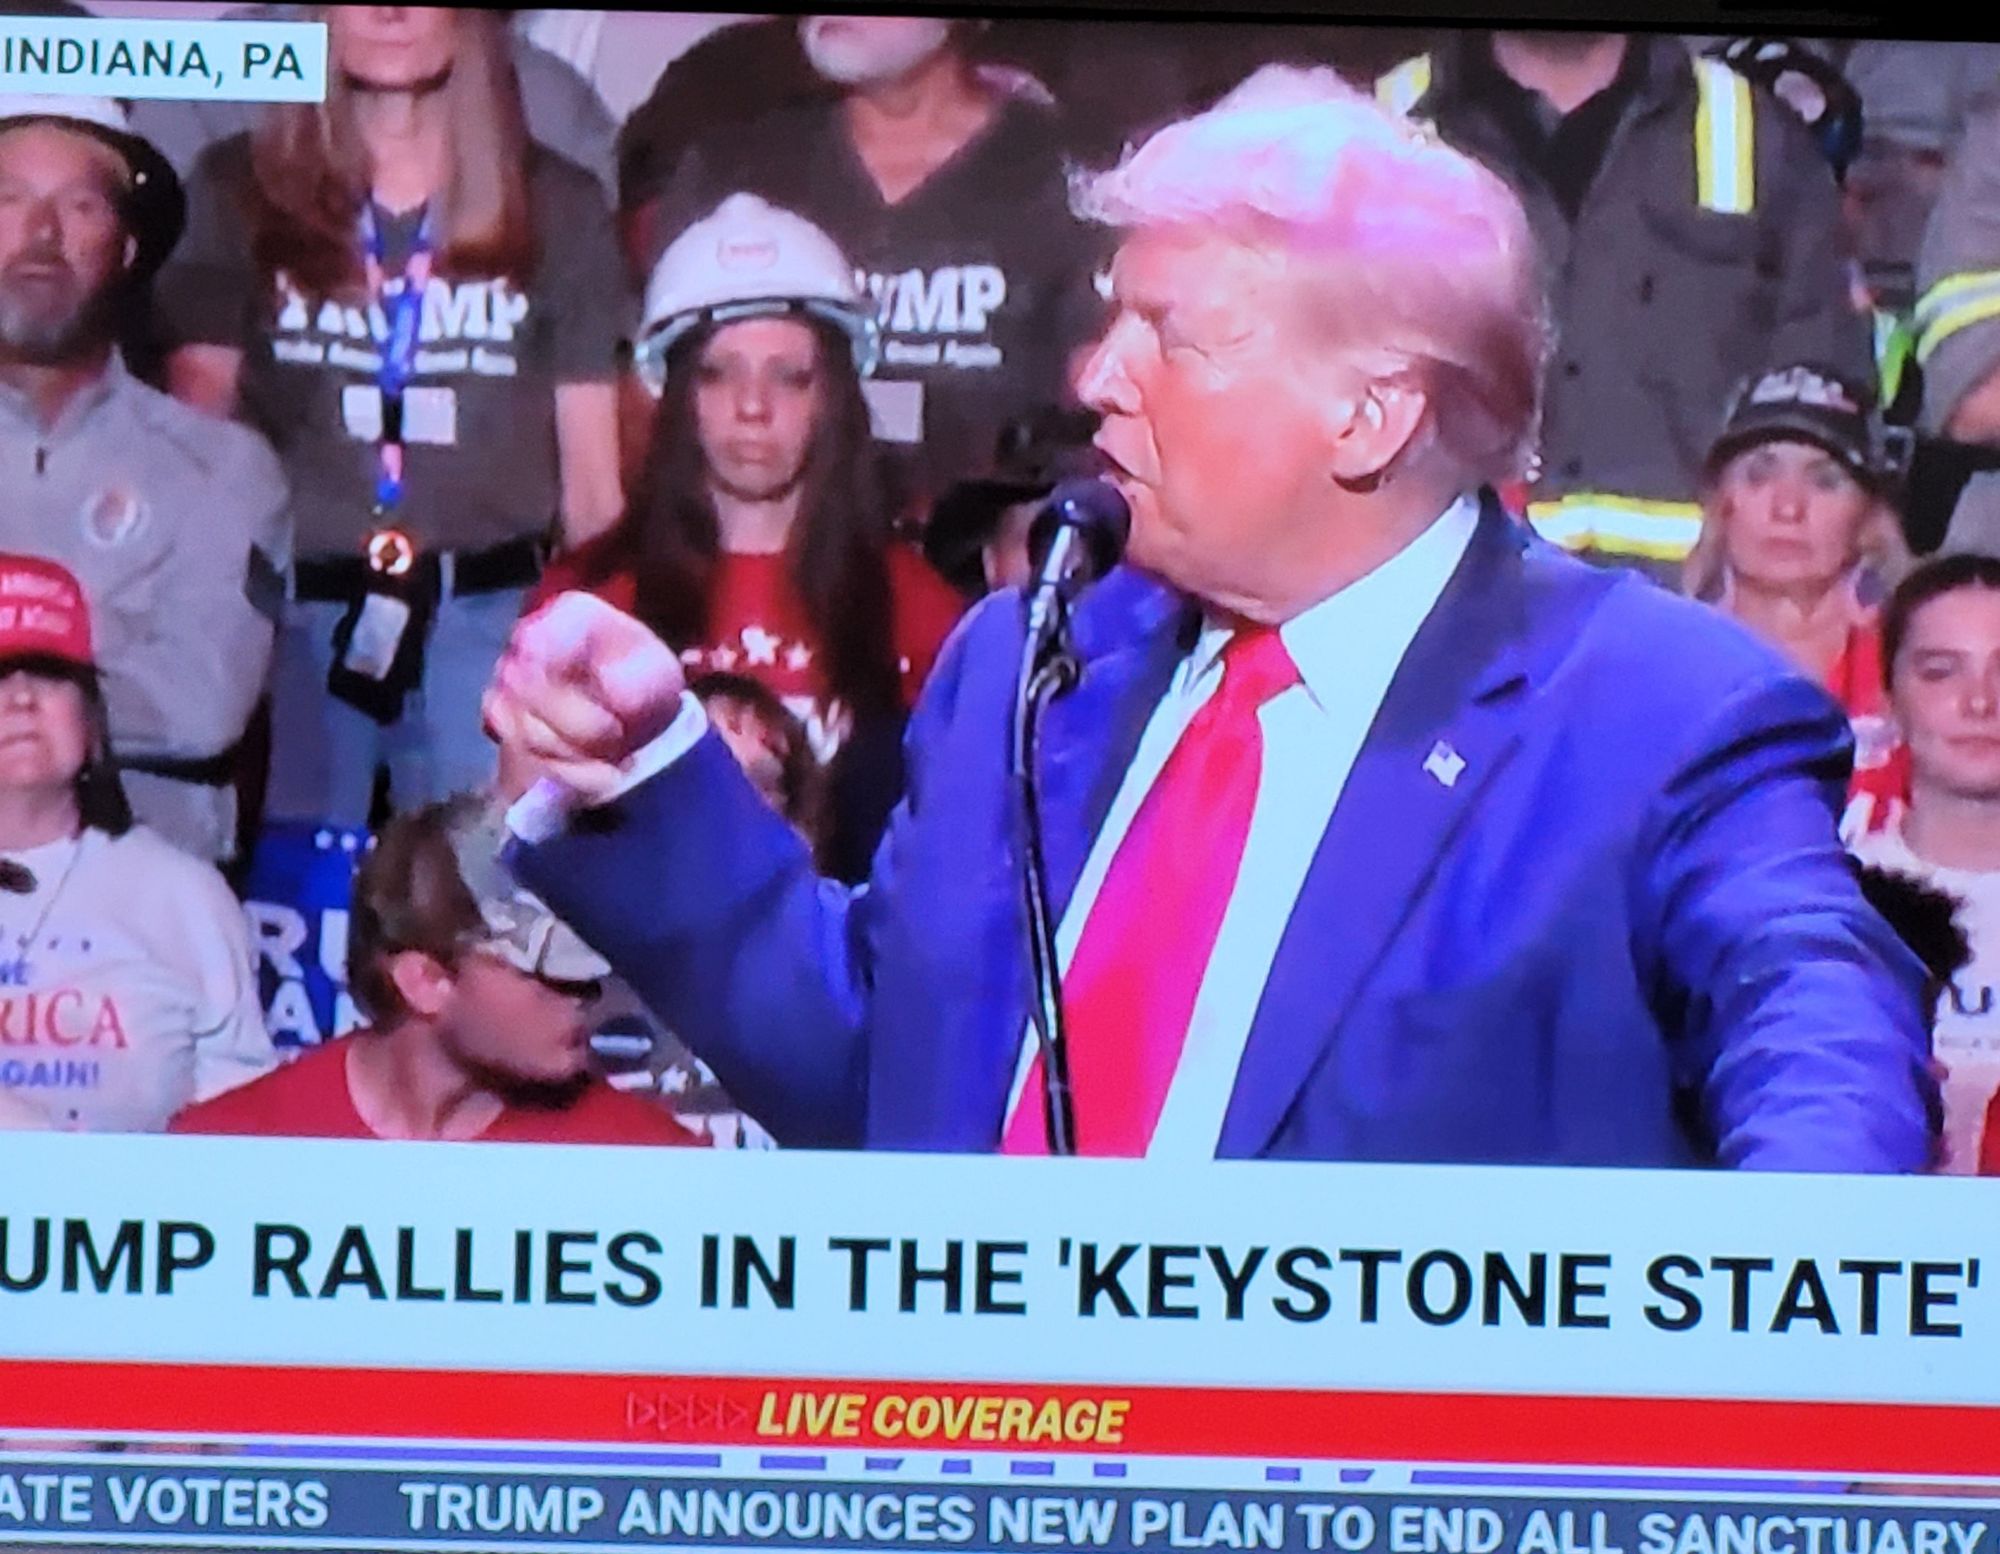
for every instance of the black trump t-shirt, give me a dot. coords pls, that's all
(983, 279)
(481, 462)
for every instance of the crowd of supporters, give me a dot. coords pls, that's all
(765, 330)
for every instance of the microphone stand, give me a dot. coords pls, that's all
(1048, 669)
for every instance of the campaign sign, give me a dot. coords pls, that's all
(296, 899)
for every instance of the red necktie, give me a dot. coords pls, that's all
(1130, 989)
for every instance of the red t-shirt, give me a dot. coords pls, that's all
(1989, 1139)
(758, 626)
(309, 1098)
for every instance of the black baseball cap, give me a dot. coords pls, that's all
(1036, 452)
(1808, 402)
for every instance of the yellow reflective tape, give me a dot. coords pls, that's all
(1619, 525)
(1569, 530)
(1725, 140)
(1404, 87)
(1628, 506)
(1956, 285)
(1746, 143)
(1947, 324)
(1894, 346)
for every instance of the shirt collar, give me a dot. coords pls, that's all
(1377, 614)
(112, 380)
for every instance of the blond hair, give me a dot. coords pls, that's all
(1879, 548)
(1413, 249)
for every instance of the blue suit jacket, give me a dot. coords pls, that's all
(1627, 934)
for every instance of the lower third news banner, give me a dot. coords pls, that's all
(244, 1505)
(236, 1344)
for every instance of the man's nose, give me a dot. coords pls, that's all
(41, 229)
(1102, 383)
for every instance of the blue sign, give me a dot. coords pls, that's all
(296, 898)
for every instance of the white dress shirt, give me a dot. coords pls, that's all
(1347, 648)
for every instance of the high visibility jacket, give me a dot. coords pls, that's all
(1708, 247)
(1957, 320)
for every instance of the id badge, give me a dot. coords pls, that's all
(895, 409)
(430, 416)
(378, 633)
(361, 411)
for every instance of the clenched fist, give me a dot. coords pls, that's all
(582, 688)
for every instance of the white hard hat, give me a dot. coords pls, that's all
(749, 259)
(106, 113)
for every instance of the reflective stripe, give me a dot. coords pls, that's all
(1955, 303)
(1934, 300)
(1725, 140)
(1894, 343)
(1404, 87)
(1618, 525)
(1951, 323)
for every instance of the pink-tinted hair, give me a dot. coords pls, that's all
(1409, 247)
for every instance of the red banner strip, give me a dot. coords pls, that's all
(227, 1401)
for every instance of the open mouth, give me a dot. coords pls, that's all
(1112, 469)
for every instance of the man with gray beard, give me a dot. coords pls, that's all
(174, 522)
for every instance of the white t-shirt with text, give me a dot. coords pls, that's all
(1967, 1040)
(127, 988)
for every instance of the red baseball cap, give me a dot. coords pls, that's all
(43, 613)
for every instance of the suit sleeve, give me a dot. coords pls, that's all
(1795, 1011)
(706, 902)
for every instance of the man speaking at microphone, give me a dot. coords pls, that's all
(1375, 828)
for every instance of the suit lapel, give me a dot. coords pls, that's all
(1444, 729)
(1129, 634)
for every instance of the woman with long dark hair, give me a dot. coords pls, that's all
(422, 310)
(756, 541)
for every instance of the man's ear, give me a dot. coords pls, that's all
(1372, 427)
(423, 982)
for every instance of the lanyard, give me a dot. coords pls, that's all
(404, 312)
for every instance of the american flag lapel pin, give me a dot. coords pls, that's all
(1444, 763)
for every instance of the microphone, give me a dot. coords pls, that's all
(1075, 539)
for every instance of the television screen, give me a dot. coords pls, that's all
(1087, 781)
